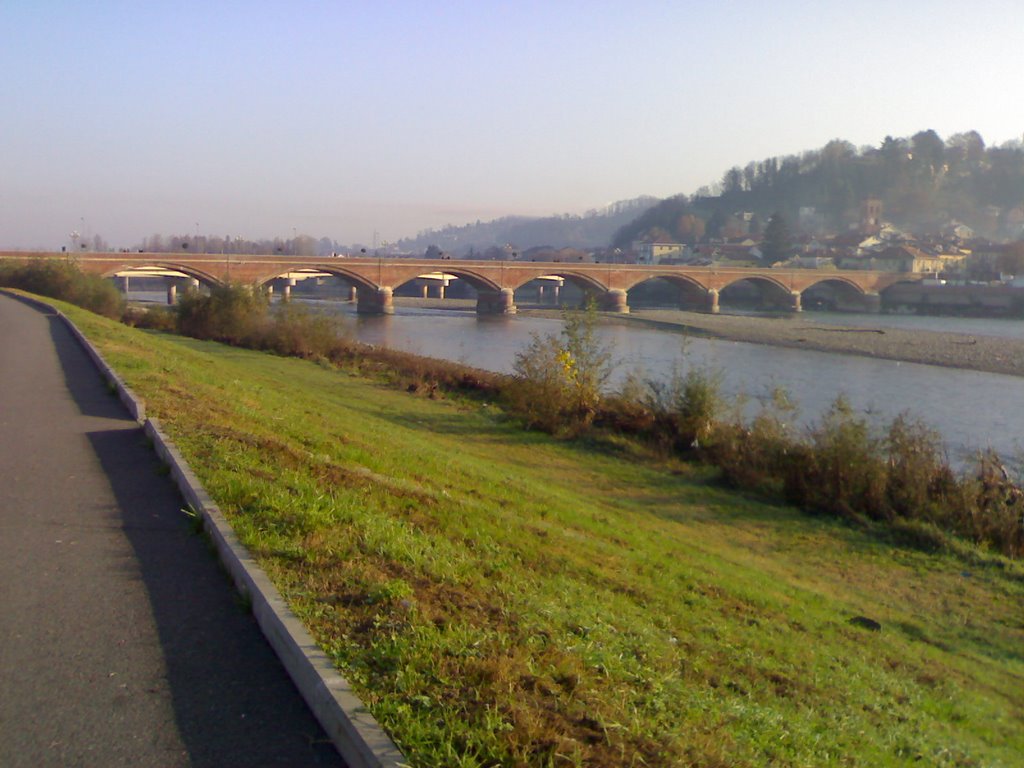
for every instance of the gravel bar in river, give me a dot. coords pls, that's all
(954, 350)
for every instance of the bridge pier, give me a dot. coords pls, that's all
(794, 298)
(712, 307)
(379, 302)
(496, 302)
(172, 294)
(125, 284)
(872, 303)
(542, 292)
(353, 293)
(614, 300)
(286, 289)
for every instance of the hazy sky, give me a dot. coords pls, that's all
(342, 118)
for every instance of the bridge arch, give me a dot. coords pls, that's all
(583, 287)
(763, 291)
(492, 298)
(148, 270)
(838, 294)
(683, 291)
(352, 277)
(478, 282)
(588, 284)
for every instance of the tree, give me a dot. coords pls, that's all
(689, 228)
(657, 235)
(966, 148)
(894, 150)
(714, 225)
(1011, 260)
(732, 181)
(777, 239)
(928, 150)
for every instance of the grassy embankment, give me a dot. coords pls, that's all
(502, 598)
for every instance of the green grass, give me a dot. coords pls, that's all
(500, 598)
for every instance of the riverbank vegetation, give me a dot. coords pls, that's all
(62, 279)
(499, 597)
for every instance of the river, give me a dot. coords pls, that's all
(970, 409)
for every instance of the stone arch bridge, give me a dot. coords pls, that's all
(375, 279)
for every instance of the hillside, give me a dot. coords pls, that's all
(501, 598)
(591, 230)
(924, 182)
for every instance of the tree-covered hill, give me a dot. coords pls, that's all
(924, 183)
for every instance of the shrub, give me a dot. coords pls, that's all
(150, 318)
(697, 405)
(685, 410)
(994, 507)
(295, 331)
(750, 456)
(234, 314)
(559, 378)
(64, 280)
(843, 466)
(918, 474)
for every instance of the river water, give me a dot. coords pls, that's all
(972, 410)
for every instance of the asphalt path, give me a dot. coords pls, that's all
(121, 640)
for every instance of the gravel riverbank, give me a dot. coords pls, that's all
(953, 350)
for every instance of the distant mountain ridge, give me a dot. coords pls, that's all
(593, 229)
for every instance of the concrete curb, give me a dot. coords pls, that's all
(356, 734)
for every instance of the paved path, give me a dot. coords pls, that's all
(121, 641)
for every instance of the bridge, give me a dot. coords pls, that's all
(374, 280)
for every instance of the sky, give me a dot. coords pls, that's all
(345, 119)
